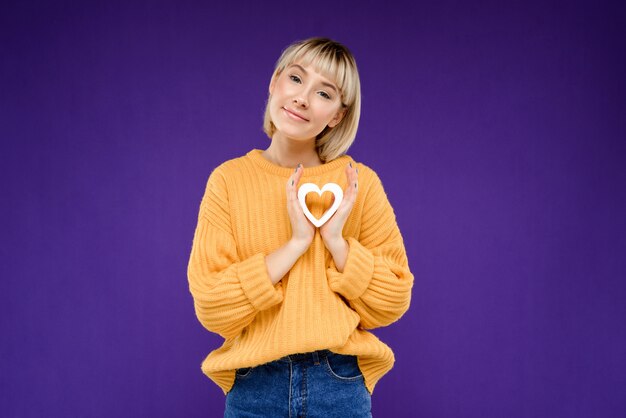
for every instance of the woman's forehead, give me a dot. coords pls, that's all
(313, 66)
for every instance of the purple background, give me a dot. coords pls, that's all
(499, 134)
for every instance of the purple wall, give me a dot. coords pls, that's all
(499, 134)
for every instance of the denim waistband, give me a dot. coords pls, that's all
(313, 356)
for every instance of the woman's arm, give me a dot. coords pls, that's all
(282, 260)
(339, 251)
(332, 231)
(228, 292)
(375, 278)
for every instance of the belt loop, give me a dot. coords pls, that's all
(316, 358)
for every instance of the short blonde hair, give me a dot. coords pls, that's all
(336, 62)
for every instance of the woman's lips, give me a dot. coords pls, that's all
(294, 116)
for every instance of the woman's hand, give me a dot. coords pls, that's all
(332, 230)
(302, 230)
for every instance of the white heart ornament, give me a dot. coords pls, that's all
(307, 188)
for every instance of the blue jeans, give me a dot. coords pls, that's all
(316, 384)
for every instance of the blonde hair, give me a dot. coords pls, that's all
(335, 61)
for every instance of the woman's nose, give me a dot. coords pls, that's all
(300, 101)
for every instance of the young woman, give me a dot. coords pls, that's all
(294, 301)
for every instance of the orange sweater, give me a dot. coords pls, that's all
(242, 218)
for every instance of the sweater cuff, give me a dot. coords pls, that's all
(357, 272)
(256, 283)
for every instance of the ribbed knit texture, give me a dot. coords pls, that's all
(242, 218)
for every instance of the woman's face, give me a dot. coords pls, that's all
(303, 102)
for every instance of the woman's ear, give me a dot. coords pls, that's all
(337, 118)
(273, 82)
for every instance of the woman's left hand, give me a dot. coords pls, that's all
(332, 230)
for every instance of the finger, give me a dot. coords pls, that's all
(291, 186)
(356, 184)
(288, 186)
(294, 180)
(346, 192)
(352, 181)
(299, 171)
(353, 169)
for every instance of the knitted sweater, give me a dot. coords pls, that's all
(242, 218)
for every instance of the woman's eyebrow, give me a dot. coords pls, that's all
(323, 82)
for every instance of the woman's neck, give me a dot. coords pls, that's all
(290, 155)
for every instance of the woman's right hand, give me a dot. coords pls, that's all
(302, 230)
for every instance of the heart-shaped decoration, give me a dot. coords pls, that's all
(307, 188)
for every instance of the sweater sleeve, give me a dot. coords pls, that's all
(227, 291)
(376, 279)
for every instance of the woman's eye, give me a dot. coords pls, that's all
(324, 94)
(295, 78)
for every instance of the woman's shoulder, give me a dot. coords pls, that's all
(230, 166)
(224, 173)
(233, 163)
(370, 182)
(367, 173)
